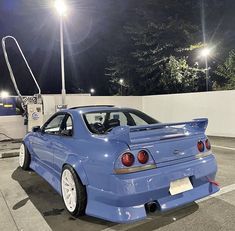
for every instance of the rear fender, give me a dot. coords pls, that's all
(76, 163)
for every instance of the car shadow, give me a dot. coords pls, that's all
(49, 203)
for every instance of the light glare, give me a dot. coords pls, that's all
(121, 81)
(205, 52)
(61, 7)
(92, 90)
(4, 94)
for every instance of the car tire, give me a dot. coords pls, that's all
(73, 192)
(24, 157)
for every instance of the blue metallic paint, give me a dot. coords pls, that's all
(122, 198)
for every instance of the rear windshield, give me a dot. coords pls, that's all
(101, 122)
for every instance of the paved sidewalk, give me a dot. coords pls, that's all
(17, 212)
(9, 148)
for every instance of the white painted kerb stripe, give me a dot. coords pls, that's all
(222, 147)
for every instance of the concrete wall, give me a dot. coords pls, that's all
(218, 106)
(50, 101)
(13, 126)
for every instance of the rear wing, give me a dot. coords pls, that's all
(196, 126)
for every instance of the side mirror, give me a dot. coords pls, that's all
(36, 129)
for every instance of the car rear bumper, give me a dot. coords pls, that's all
(129, 193)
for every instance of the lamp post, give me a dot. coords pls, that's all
(205, 53)
(61, 10)
(121, 81)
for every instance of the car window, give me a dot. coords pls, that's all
(96, 118)
(104, 121)
(67, 126)
(119, 116)
(53, 127)
(138, 121)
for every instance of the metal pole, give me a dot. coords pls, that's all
(121, 89)
(63, 91)
(207, 74)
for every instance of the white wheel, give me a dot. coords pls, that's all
(22, 155)
(69, 191)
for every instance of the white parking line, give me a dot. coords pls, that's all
(124, 227)
(223, 147)
(222, 191)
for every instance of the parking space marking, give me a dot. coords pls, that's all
(223, 147)
(222, 191)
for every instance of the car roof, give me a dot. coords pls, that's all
(94, 108)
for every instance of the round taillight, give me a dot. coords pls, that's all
(128, 159)
(208, 144)
(143, 157)
(200, 146)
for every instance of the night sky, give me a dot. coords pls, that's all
(92, 29)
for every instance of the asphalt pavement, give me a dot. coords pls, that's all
(27, 202)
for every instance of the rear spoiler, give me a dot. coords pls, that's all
(122, 133)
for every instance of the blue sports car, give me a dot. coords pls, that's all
(118, 164)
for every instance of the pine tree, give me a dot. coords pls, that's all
(163, 35)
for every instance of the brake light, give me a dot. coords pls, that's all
(208, 144)
(200, 146)
(128, 159)
(143, 157)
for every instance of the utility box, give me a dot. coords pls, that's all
(35, 116)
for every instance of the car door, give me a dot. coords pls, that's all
(46, 141)
(64, 145)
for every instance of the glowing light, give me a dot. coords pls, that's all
(121, 81)
(4, 94)
(205, 52)
(92, 91)
(61, 7)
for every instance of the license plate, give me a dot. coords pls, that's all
(179, 186)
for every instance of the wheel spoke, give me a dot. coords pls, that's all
(66, 186)
(68, 195)
(66, 181)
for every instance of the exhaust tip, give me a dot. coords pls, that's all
(151, 207)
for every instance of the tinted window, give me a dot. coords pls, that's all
(119, 116)
(138, 120)
(67, 126)
(104, 121)
(53, 127)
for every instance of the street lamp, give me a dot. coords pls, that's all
(4, 94)
(92, 91)
(61, 9)
(205, 53)
(121, 81)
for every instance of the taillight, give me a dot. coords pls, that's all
(143, 157)
(200, 146)
(208, 144)
(128, 159)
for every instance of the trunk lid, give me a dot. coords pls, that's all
(167, 143)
